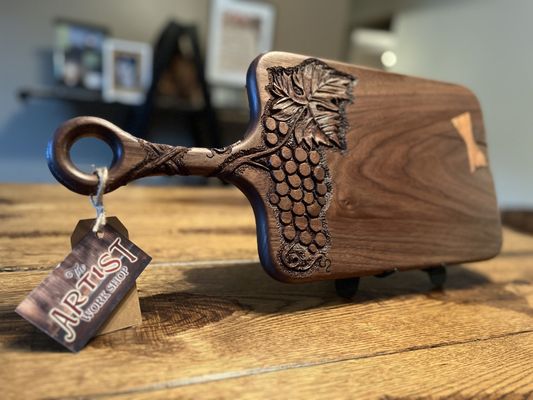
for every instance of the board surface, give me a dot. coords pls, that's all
(375, 172)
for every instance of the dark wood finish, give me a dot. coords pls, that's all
(216, 327)
(350, 171)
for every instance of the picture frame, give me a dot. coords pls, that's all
(239, 32)
(78, 59)
(127, 71)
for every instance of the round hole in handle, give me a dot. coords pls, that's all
(58, 151)
(89, 152)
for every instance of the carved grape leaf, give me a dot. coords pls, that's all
(309, 97)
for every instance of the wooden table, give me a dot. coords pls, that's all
(216, 326)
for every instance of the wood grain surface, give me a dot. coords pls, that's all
(350, 171)
(216, 326)
(403, 192)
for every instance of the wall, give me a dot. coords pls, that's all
(26, 38)
(304, 26)
(313, 27)
(485, 45)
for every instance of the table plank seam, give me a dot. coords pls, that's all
(216, 377)
(177, 264)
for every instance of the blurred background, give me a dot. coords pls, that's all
(173, 70)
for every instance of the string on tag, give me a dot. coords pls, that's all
(97, 200)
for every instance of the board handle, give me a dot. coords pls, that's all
(133, 158)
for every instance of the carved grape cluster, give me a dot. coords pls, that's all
(304, 115)
(300, 193)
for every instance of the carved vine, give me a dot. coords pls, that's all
(304, 116)
(162, 158)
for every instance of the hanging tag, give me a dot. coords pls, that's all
(128, 312)
(79, 295)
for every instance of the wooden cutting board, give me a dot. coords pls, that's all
(350, 171)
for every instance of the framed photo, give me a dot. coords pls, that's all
(239, 31)
(127, 71)
(78, 53)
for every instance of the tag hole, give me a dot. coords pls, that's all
(100, 235)
(88, 152)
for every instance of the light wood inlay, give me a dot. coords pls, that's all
(476, 157)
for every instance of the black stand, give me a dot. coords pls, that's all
(437, 276)
(347, 288)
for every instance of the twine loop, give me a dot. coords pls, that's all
(97, 200)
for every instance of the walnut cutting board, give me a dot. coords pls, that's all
(350, 171)
(402, 194)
